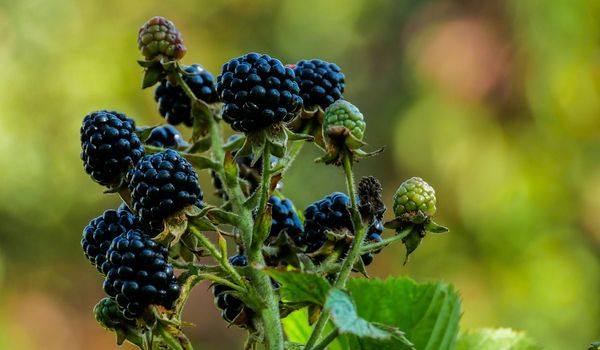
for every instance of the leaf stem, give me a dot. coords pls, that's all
(368, 248)
(328, 339)
(214, 251)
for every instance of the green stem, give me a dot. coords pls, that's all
(169, 339)
(296, 147)
(265, 179)
(327, 340)
(188, 91)
(206, 243)
(353, 253)
(368, 248)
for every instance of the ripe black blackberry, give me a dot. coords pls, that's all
(161, 185)
(175, 105)
(258, 91)
(285, 219)
(138, 274)
(321, 83)
(232, 309)
(333, 213)
(100, 232)
(109, 146)
(165, 136)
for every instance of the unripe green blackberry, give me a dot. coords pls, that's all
(413, 195)
(342, 115)
(109, 316)
(159, 38)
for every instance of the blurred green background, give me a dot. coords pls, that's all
(495, 103)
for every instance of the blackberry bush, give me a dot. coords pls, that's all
(109, 146)
(288, 263)
(138, 274)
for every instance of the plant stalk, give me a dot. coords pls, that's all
(371, 247)
(327, 340)
(353, 253)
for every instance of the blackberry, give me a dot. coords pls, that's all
(321, 83)
(370, 202)
(161, 185)
(159, 38)
(138, 274)
(285, 219)
(99, 233)
(329, 213)
(258, 91)
(415, 195)
(109, 146)
(165, 136)
(173, 103)
(333, 213)
(230, 306)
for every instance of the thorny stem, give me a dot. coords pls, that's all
(328, 339)
(369, 248)
(353, 253)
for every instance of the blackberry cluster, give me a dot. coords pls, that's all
(285, 219)
(230, 306)
(333, 213)
(138, 275)
(321, 83)
(162, 184)
(100, 232)
(109, 146)
(173, 103)
(165, 136)
(258, 91)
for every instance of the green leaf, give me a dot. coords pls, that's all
(144, 132)
(152, 75)
(220, 216)
(200, 162)
(495, 339)
(298, 287)
(298, 330)
(428, 313)
(202, 145)
(433, 227)
(344, 316)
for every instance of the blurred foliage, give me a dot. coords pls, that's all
(495, 103)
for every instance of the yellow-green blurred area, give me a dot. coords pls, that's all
(494, 103)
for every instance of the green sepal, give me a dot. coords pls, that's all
(176, 225)
(292, 136)
(202, 223)
(192, 210)
(395, 224)
(144, 132)
(594, 346)
(230, 166)
(219, 216)
(234, 145)
(411, 243)
(199, 146)
(153, 73)
(262, 227)
(360, 267)
(201, 115)
(222, 244)
(433, 227)
(201, 162)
